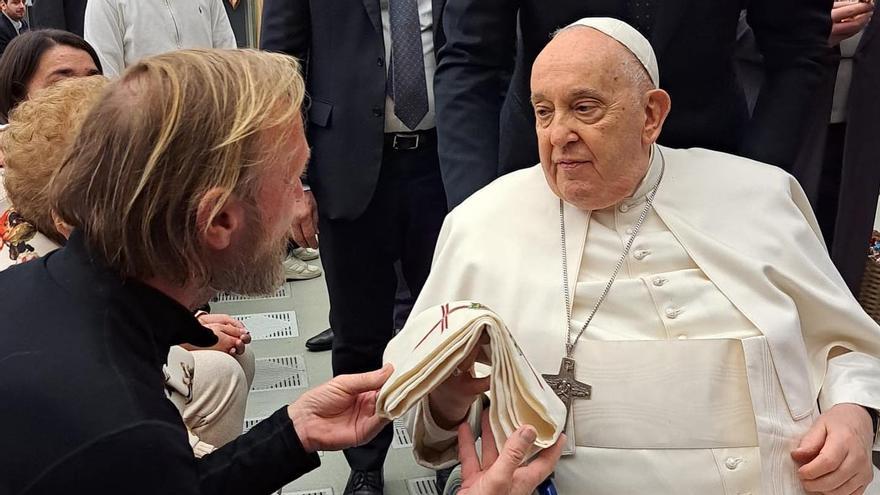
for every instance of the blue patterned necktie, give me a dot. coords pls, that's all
(408, 87)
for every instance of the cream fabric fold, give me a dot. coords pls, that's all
(433, 344)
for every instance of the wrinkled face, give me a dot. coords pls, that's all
(14, 9)
(254, 264)
(61, 62)
(590, 119)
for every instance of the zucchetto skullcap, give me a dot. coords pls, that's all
(627, 36)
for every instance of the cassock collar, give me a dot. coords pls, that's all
(648, 180)
(147, 310)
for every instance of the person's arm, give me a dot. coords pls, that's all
(221, 29)
(104, 30)
(287, 28)
(468, 90)
(263, 460)
(792, 36)
(852, 378)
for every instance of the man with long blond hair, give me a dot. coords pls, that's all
(209, 386)
(180, 183)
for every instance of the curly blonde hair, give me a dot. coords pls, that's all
(40, 133)
(173, 128)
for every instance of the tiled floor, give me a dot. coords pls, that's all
(285, 370)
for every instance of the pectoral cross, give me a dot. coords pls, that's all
(566, 387)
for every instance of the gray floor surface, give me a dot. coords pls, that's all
(285, 370)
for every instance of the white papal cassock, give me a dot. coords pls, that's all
(725, 334)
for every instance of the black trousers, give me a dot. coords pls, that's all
(402, 223)
(829, 186)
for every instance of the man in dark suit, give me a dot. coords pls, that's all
(483, 134)
(12, 21)
(838, 165)
(374, 173)
(837, 162)
(68, 15)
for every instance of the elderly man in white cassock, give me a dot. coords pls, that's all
(690, 289)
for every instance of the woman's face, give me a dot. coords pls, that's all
(58, 63)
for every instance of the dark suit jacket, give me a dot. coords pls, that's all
(480, 136)
(342, 44)
(68, 15)
(7, 31)
(860, 173)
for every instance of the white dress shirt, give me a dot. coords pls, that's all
(426, 18)
(844, 78)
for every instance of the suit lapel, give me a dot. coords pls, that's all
(375, 13)
(669, 14)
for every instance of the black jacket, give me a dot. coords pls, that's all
(84, 408)
(68, 15)
(7, 31)
(694, 42)
(342, 44)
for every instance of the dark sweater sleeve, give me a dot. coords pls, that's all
(261, 461)
(153, 457)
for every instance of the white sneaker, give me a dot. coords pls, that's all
(297, 269)
(306, 254)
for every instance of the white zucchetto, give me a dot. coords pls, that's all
(627, 36)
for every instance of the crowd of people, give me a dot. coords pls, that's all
(696, 225)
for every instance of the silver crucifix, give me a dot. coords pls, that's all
(566, 387)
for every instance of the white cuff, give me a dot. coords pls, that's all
(852, 378)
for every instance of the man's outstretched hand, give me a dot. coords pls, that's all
(340, 413)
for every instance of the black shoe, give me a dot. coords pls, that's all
(364, 483)
(321, 342)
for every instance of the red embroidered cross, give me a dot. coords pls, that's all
(444, 320)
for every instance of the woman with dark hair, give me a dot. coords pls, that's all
(37, 59)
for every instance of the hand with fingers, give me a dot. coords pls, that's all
(835, 455)
(232, 336)
(497, 473)
(340, 413)
(451, 401)
(847, 19)
(305, 221)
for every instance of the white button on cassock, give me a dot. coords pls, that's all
(733, 462)
(660, 281)
(623, 207)
(641, 254)
(672, 313)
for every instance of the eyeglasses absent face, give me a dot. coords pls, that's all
(61, 62)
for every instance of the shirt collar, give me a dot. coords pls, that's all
(164, 319)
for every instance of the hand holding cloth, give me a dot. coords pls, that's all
(431, 348)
